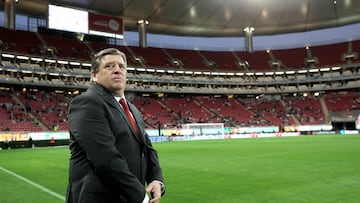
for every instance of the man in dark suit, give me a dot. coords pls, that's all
(111, 161)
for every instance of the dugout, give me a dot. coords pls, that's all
(344, 120)
(343, 125)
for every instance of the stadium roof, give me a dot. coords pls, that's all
(214, 18)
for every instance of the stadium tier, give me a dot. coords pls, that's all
(46, 110)
(41, 73)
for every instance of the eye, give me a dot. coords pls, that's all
(109, 66)
(122, 66)
(112, 65)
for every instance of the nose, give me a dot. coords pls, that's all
(117, 68)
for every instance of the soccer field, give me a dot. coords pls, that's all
(281, 169)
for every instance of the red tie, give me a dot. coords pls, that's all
(128, 115)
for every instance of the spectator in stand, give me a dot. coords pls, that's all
(6, 143)
(111, 155)
(30, 142)
(52, 141)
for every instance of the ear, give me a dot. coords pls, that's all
(93, 76)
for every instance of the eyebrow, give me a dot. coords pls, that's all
(114, 62)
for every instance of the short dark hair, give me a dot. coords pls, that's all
(96, 60)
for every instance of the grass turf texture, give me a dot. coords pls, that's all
(281, 169)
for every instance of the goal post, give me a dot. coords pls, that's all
(196, 129)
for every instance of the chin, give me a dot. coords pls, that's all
(118, 87)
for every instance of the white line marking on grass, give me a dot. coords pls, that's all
(34, 184)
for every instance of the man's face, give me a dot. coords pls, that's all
(111, 74)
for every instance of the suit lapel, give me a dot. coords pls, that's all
(109, 99)
(137, 119)
(107, 96)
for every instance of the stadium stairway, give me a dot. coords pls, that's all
(238, 60)
(204, 107)
(292, 116)
(325, 110)
(166, 107)
(244, 111)
(136, 58)
(31, 115)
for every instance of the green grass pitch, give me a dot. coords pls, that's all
(282, 169)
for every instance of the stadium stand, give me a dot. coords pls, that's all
(188, 59)
(287, 56)
(307, 110)
(327, 58)
(14, 116)
(156, 112)
(226, 110)
(221, 60)
(258, 60)
(267, 112)
(67, 48)
(342, 101)
(151, 56)
(21, 41)
(49, 109)
(40, 108)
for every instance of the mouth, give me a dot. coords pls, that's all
(117, 78)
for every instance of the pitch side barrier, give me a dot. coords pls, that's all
(41, 139)
(234, 136)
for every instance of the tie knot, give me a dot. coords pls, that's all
(123, 102)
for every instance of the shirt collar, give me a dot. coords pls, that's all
(118, 98)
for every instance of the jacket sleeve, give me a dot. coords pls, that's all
(153, 166)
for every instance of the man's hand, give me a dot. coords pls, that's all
(155, 189)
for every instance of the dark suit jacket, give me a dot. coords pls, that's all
(108, 162)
